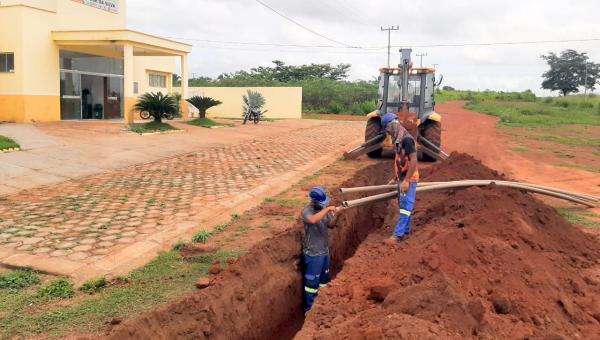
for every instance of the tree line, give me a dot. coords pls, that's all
(325, 87)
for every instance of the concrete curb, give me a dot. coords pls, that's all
(9, 150)
(158, 132)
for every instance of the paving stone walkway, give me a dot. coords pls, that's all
(83, 221)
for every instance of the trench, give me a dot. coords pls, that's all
(260, 295)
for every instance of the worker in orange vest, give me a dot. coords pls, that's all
(406, 173)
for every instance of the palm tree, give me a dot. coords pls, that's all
(157, 104)
(254, 101)
(203, 104)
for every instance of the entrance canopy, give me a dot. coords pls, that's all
(114, 40)
(126, 44)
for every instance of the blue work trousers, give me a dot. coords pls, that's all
(406, 201)
(316, 275)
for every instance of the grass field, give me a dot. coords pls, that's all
(30, 307)
(564, 131)
(7, 143)
(525, 110)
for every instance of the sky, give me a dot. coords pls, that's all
(357, 23)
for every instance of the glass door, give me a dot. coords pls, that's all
(70, 96)
(113, 98)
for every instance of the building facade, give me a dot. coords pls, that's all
(76, 60)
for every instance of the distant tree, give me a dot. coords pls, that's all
(203, 104)
(448, 88)
(176, 80)
(567, 72)
(156, 104)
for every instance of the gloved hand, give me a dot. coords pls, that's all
(404, 186)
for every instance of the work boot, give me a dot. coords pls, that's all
(393, 240)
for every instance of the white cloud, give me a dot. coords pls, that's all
(357, 22)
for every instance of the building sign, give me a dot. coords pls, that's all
(107, 5)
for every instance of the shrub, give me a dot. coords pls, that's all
(179, 245)
(203, 104)
(334, 108)
(156, 104)
(19, 279)
(93, 286)
(201, 237)
(253, 100)
(57, 289)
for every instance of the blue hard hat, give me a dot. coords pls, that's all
(319, 195)
(387, 119)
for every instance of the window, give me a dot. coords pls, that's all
(158, 80)
(81, 62)
(136, 87)
(7, 62)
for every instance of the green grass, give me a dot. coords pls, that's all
(519, 149)
(207, 123)
(58, 289)
(24, 314)
(201, 237)
(580, 167)
(524, 109)
(7, 143)
(572, 141)
(536, 115)
(151, 127)
(93, 286)
(293, 203)
(579, 217)
(19, 279)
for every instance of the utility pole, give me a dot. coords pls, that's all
(422, 55)
(389, 30)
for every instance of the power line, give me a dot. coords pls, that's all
(302, 26)
(532, 42)
(374, 48)
(255, 43)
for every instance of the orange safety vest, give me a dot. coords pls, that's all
(404, 169)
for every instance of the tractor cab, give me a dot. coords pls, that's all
(420, 91)
(409, 93)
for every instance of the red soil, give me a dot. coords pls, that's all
(482, 263)
(260, 295)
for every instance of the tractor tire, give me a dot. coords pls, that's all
(372, 130)
(432, 131)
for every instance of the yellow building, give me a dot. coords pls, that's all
(75, 59)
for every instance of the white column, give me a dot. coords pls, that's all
(184, 87)
(128, 83)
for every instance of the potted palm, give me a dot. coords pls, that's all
(254, 102)
(203, 104)
(157, 105)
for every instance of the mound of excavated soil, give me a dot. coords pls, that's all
(481, 263)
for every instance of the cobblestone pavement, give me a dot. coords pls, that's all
(87, 219)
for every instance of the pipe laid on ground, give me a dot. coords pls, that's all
(478, 183)
(446, 186)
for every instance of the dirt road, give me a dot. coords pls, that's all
(476, 134)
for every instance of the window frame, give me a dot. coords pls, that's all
(157, 80)
(5, 55)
